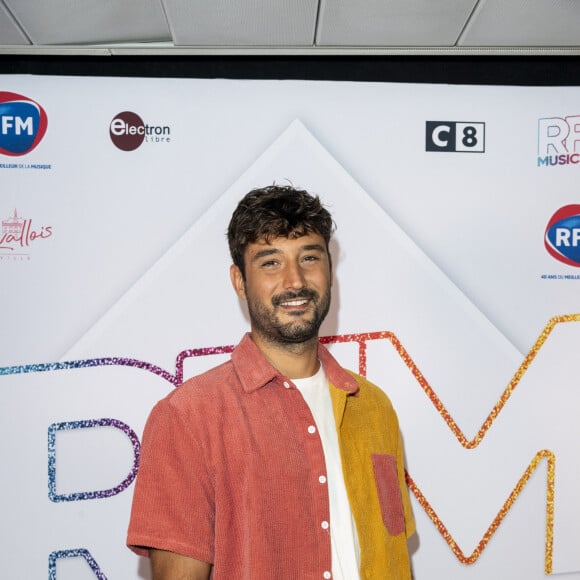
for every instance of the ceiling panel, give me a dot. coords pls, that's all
(392, 22)
(524, 23)
(10, 32)
(90, 21)
(305, 26)
(242, 22)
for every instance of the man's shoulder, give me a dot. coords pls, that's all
(206, 385)
(369, 391)
(199, 405)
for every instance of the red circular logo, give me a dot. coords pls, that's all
(127, 131)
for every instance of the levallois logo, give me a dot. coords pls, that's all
(562, 236)
(23, 123)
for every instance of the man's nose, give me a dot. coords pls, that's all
(293, 276)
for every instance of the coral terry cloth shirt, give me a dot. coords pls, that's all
(231, 466)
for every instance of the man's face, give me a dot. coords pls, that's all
(287, 287)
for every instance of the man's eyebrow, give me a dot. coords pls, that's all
(316, 247)
(264, 253)
(271, 251)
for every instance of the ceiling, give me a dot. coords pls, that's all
(270, 26)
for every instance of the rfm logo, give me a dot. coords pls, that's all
(23, 124)
(452, 136)
(562, 236)
(559, 140)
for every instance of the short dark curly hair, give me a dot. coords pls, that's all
(273, 211)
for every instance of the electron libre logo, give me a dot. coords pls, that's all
(23, 123)
(559, 141)
(128, 131)
(562, 236)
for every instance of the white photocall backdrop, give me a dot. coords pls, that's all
(470, 324)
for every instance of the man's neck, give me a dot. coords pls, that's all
(295, 361)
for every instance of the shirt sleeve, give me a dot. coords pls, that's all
(173, 500)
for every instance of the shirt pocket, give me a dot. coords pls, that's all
(387, 482)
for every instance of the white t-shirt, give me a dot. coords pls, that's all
(343, 535)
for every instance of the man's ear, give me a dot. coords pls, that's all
(238, 281)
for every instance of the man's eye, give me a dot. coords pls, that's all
(269, 263)
(311, 258)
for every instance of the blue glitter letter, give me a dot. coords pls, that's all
(79, 553)
(99, 494)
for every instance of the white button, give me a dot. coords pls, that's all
(327, 575)
(322, 479)
(311, 429)
(324, 525)
(286, 385)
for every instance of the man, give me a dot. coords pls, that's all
(277, 464)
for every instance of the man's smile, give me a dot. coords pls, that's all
(296, 302)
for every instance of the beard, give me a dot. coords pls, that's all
(266, 323)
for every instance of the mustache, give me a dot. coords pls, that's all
(302, 293)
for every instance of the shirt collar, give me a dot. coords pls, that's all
(254, 371)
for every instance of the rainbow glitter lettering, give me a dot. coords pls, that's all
(361, 339)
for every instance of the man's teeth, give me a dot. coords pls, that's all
(299, 302)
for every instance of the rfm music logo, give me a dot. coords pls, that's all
(23, 124)
(453, 136)
(559, 140)
(562, 236)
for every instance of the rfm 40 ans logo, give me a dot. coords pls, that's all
(562, 237)
(23, 124)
